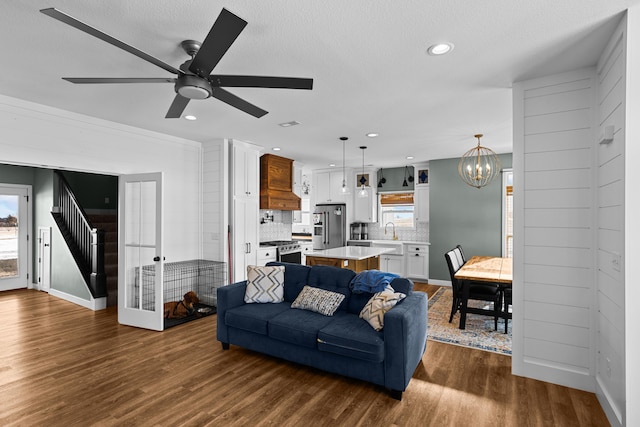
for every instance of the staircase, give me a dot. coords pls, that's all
(108, 223)
(85, 242)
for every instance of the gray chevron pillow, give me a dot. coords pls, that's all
(381, 302)
(264, 284)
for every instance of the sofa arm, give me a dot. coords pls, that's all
(228, 297)
(405, 339)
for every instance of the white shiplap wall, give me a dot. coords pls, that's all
(554, 289)
(610, 279)
(214, 193)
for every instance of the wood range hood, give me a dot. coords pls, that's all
(276, 184)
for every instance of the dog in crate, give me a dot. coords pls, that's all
(183, 308)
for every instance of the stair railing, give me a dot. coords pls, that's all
(88, 240)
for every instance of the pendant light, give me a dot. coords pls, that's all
(363, 190)
(479, 166)
(404, 183)
(344, 189)
(383, 180)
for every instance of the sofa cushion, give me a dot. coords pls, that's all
(295, 277)
(299, 327)
(318, 300)
(378, 305)
(254, 317)
(332, 279)
(264, 284)
(351, 336)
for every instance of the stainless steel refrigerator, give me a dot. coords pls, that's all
(329, 226)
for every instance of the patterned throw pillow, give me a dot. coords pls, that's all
(318, 300)
(381, 302)
(264, 284)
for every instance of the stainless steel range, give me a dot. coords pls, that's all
(287, 250)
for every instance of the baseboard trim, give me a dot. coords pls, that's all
(613, 413)
(440, 282)
(94, 304)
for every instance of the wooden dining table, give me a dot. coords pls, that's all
(483, 269)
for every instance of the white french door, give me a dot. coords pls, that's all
(140, 260)
(14, 236)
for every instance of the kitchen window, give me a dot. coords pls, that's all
(397, 208)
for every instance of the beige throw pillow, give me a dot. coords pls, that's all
(381, 302)
(264, 284)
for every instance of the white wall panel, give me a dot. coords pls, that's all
(558, 179)
(558, 275)
(563, 198)
(561, 295)
(572, 358)
(559, 237)
(555, 218)
(546, 331)
(557, 141)
(559, 160)
(555, 313)
(554, 256)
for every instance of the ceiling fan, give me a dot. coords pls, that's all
(193, 80)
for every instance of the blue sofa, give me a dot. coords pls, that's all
(343, 343)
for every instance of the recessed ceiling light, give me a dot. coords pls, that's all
(332, 164)
(372, 134)
(440, 49)
(276, 148)
(190, 117)
(289, 124)
(409, 157)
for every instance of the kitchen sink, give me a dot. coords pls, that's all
(398, 247)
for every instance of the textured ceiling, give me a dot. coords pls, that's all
(367, 58)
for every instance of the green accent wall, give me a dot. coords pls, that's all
(395, 177)
(92, 189)
(462, 215)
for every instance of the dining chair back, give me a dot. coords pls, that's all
(480, 291)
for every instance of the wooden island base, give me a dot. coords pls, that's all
(357, 265)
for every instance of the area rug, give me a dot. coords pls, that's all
(479, 332)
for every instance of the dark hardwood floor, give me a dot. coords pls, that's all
(63, 365)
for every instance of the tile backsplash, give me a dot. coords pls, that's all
(419, 234)
(275, 225)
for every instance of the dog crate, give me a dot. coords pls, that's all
(201, 276)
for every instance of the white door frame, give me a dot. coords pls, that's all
(24, 233)
(140, 250)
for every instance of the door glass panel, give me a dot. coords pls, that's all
(9, 235)
(140, 250)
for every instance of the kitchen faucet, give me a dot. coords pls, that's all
(394, 230)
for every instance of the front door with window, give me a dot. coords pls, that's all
(14, 236)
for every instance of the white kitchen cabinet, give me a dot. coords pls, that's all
(246, 170)
(421, 203)
(307, 249)
(326, 187)
(245, 212)
(266, 254)
(417, 261)
(392, 264)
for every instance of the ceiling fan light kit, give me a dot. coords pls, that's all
(193, 80)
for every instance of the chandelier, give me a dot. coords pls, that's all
(479, 166)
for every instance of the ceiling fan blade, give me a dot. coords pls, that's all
(177, 107)
(261, 81)
(239, 103)
(70, 20)
(98, 80)
(221, 36)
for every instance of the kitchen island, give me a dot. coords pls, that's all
(356, 258)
